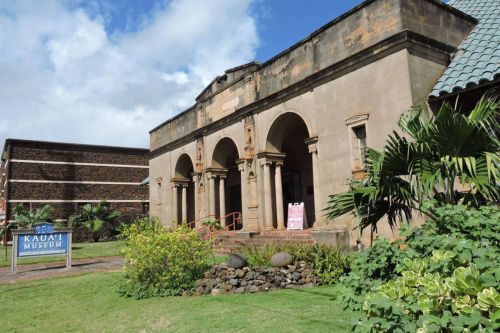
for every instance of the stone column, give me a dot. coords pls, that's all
(184, 204)
(196, 182)
(175, 214)
(211, 194)
(280, 218)
(268, 204)
(222, 199)
(312, 143)
(244, 200)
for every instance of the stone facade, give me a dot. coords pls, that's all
(292, 129)
(66, 176)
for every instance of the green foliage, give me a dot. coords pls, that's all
(431, 302)
(28, 218)
(446, 279)
(141, 225)
(329, 263)
(96, 218)
(212, 224)
(160, 262)
(451, 158)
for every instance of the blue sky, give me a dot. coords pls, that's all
(283, 22)
(108, 71)
(280, 23)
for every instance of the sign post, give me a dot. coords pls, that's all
(296, 216)
(42, 240)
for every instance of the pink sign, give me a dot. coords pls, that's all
(295, 216)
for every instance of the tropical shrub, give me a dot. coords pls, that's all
(446, 279)
(432, 302)
(97, 220)
(329, 263)
(28, 218)
(162, 262)
(451, 158)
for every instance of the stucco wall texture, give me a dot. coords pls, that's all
(368, 66)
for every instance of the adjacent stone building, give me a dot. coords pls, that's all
(67, 176)
(293, 129)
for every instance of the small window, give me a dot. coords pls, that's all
(158, 193)
(358, 146)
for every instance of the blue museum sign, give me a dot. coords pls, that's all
(42, 240)
(42, 244)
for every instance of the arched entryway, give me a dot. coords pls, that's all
(183, 203)
(289, 158)
(225, 181)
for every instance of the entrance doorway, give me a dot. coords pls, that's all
(287, 136)
(224, 164)
(183, 181)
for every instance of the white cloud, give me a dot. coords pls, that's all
(64, 78)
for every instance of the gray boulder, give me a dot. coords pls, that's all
(236, 260)
(281, 259)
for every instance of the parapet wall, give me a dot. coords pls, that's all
(369, 24)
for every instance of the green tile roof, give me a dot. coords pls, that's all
(477, 59)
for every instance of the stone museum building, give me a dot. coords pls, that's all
(67, 176)
(293, 129)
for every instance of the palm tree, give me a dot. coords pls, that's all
(450, 158)
(28, 218)
(94, 218)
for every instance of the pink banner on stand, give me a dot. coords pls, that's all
(295, 216)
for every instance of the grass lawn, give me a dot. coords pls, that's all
(80, 251)
(89, 303)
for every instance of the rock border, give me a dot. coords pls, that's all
(221, 279)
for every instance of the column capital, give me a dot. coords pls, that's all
(215, 172)
(178, 181)
(312, 144)
(269, 158)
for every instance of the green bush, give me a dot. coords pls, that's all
(445, 280)
(29, 218)
(161, 262)
(329, 263)
(95, 222)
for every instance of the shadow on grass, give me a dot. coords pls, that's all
(24, 287)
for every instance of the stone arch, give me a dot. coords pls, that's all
(227, 196)
(223, 142)
(184, 166)
(273, 131)
(183, 203)
(288, 158)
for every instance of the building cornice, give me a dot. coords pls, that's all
(414, 42)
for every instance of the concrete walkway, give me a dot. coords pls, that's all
(58, 269)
